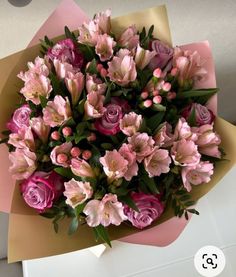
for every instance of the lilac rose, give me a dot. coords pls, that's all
(109, 123)
(163, 56)
(41, 190)
(202, 114)
(66, 51)
(150, 208)
(20, 118)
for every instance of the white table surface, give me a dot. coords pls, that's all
(190, 21)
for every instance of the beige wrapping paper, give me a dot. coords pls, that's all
(32, 236)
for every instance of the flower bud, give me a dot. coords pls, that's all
(87, 154)
(147, 103)
(62, 158)
(55, 135)
(174, 71)
(67, 131)
(166, 86)
(103, 72)
(75, 152)
(157, 99)
(144, 95)
(157, 73)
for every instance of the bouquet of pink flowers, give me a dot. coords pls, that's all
(111, 128)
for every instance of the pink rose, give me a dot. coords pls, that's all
(129, 38)
(109, 123)
(94, 84)
(94, 105)
(202, 114)
(130, 123)
(75, 85)
(104, 47)
(185, 153)
(66, 51)
(23, 139)
(164, 54)
(81, 168)
(122, 68)
(23, 163)
(196, 175)
(60, 154)
(77, 192)
(150, 208)
(40, 128)
(20, 118)
(208, 141)
(142, 145)
(189, 66)
(157, 162)
(105, 212)
(143, 57)
(130, 157)
(41, 190)
(114, 164)
(164, 136)
(57, 111)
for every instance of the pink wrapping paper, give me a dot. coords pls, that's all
(65, 14)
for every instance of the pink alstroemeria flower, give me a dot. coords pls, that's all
(122, 69)
(185, 153)
(40, 128)
(105, 212)
(114, 165)
(130, 157)
(130, 123)
(23, 163)
(104, 47)
(57, 111)
(157, 162)
(142, 144)
(77, 192)
(143, 57)
(196, 175)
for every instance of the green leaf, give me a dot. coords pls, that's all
(81, 106)
(69, 34)
(108, 94)
(92, 68)
(65, 172)
(192, 118)
(73, 226)
(79, 138)
(193, 211)
(5, 140)
(129, 202)
(79, 209)
(150, 32)
(101, 232)
(6, 133)
(107, 146)
(197, 93)
(55, 82)
(149, 182)
(48, 41)
(43, 101)
(155, 120)
(158, 108)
